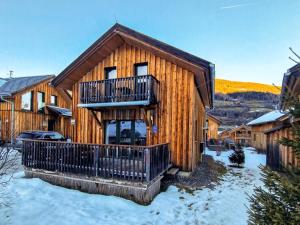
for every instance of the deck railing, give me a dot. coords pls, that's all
(128, 89)
(132, 163)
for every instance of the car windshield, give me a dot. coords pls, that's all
(55, 136)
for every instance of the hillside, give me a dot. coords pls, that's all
(227, 86)
(238, 103)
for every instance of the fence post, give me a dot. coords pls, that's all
(147, 162)
(96, 156)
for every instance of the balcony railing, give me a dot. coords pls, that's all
(122, 162)
(137, 90)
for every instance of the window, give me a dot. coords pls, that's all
(125, 132)
(110, 72)
(53, 100)
(41, 102)
(26, 101)
(141, 69)
(254, 137)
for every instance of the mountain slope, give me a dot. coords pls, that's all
(227, 86)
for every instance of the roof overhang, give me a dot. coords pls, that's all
(290, 86)
(117, 36)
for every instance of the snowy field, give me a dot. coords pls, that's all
(35, 202)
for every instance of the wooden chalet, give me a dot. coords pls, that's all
(140, 104)
(213, 124)
(34, 104)
(262, 124)
(279, 156)
(241, 135)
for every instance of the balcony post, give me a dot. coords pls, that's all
(147, 162)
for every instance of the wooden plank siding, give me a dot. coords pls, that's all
(279, 156)
(33, 120)
(179, 109)
(258, 136)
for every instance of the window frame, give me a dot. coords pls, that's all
(56, 100)
(31, 101)
(42, 110)
(109, 69)
(136, 65)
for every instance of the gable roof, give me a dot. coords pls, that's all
(118, 35)
(2, 81)
(267, 118)
(18, 84)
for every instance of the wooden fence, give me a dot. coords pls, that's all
(132, 163)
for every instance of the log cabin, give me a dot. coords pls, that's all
(262, 124)
(280, 156)
(129, 88)
(37, 106)
(213, 124)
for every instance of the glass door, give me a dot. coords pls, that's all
(125, 132)
(110, 83)
(141, 70)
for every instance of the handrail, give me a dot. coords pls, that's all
(125, 162)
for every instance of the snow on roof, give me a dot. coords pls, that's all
(267, 118)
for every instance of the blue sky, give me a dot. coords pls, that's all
(248, 40)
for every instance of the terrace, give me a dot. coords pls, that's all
(95, 168)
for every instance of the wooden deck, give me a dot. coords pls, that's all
(121, 162)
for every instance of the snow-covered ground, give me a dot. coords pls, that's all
(35, 202)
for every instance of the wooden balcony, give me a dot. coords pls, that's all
(120, 162)
(129, 91)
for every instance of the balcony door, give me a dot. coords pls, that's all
(141, 70)
(125, 132)
(110, 83)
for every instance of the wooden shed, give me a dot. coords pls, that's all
(279, 156)
(131, 89)
(262, 124)
(34, 100)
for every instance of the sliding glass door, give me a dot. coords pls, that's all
(125, 132)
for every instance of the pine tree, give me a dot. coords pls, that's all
(278, 202)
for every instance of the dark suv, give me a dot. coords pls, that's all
(38, 135)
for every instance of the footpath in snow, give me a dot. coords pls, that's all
(35, 202)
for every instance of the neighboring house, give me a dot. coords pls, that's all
(241, 135)
(260, 125)
(279, 156)
(213, 124)
(131, 89)
(37, 106)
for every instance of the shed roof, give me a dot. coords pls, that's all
(60, 111)
(18, 84)
(267, 118)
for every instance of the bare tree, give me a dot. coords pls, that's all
(9, 162)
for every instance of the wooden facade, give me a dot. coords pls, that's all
(33, 120)
(241, 135)
(213, 125)
(179, 116)
(258, 136)
(279, 156)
